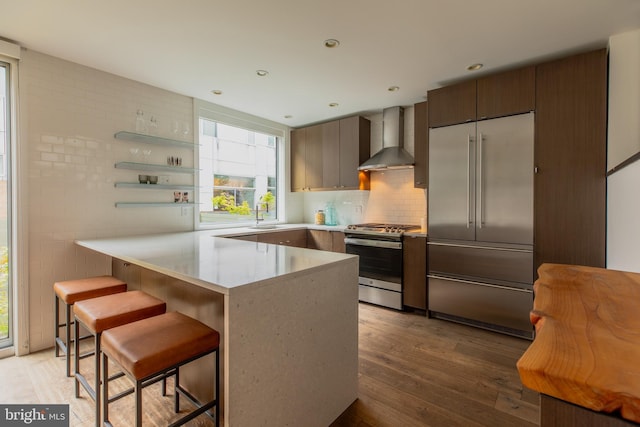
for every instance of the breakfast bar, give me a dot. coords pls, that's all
(288, 319)
(584, 359)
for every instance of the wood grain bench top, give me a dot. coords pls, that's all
(587, 345)
(148, 346)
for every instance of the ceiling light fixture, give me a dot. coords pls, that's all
(331, 43)
(288, 116)
(262, 73)
(333, 104)
(475, 67)
(393, 88)
(216, 92)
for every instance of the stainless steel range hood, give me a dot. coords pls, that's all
(392, 155)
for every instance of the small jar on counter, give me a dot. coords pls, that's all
(320, 217)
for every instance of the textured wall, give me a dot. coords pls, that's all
(69, 114)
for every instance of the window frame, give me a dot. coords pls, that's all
(228, 116)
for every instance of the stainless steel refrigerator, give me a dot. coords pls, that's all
(480, 215)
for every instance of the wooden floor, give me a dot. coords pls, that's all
(414, 371)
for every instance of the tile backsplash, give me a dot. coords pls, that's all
(392, 199)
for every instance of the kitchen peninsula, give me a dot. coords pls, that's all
(288, 319)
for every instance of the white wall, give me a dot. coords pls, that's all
(623, 226)
(624, 97)
(69, 114)
(623, 203)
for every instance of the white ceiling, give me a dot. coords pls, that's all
(194, 46)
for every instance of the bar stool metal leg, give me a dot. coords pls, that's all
(57, 320)
(67, 340)
(95, 392)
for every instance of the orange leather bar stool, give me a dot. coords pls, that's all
(154, 349)
(72, 291)
(102, 313)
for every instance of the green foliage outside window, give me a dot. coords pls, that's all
(4, 292)
(267, 200)
(226, 202)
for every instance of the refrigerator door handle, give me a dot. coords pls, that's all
(480, 140)
(469, 141)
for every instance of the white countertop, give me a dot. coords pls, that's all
(216, 263)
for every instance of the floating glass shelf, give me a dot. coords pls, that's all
(151, 205)
(150, 167)
(154, 186)
(150, 139)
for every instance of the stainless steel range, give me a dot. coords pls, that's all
(379, 247)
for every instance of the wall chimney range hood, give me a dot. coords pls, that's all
(392, 155)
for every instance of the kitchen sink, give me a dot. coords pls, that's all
(265, 226)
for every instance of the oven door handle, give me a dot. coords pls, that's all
(374, 243)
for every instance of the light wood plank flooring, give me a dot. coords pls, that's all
(414, 371)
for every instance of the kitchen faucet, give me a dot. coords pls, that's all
(258, 219)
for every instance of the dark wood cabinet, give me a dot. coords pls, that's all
(414, 266)
(326, 156)
(330, 156)
(313, 156)
(453, 104)
(507, 93)
(298, 160)
(319, 239)
(297, 238)
(570, 160)
(421, 145)
(338, 245)
(355, 142)
(558, 413)
(497, 95)
(247, 237)
(326, 240)
(306, 158)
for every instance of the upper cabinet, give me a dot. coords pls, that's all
(330, 155)
(306, 158)
(497, 95)
(504, 94)
(421, 145)
(298, 159)
(326, 156)
(453, 104)
(355, 142)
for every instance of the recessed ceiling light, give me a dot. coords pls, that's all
(288, 116)
(333, 104)
(331, 43)
(393, 88)
(262, 73)
(216, 92)
(474, 67)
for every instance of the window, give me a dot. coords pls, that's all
(5, 283)
(238, 176)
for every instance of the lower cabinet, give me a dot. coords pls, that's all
(297, 238)
(247, 237)
(324, 240)
(414, 266)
